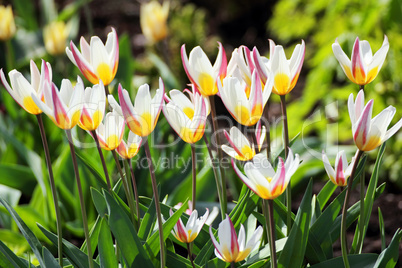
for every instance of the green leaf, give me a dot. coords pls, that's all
(99, 202)
(8, 258)
(93, 167)
(325, 194)
(147, 221)
(366, 260)
(293, 253)
(382, 230)
(389, 257)
(26, 232)
(168, 77)
(48, 258)
(26, 180)
(177, 261)
(26, 11)
(122, 229)
(107, 255)
(73, 254)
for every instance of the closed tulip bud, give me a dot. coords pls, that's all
(55, 37)
(153, 17)
(7, 24)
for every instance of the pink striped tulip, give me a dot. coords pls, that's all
(260, 133)
(63, 107)
(262, 179)
(339, 176)
(129, 149)
(187, 117)
(141, 117)
(232, 248)
(364, 66)
(187, 233)
(200, 71)
(241, 65)
(21, 90)
(110, 132)
(93, 110)
(369, 133)
(247, 110)
(240, 147)
(96, 61)
(285, 72)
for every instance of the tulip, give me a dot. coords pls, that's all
(141, 117)
(241, 65)
(262, 179)
(369, 133)
(260, 133)
(97, 61)
(21, 90)
(240, 146)
(342, 171)
(63, 107)
(363, 67)
(285, 72)
(153, 17)
(129, 149)
(187, 117)
(94, 107)
(231, 248)
(200, 71)
(55, 36)
(7, 24)
(187, 233)
(110, 133)
(246, 110)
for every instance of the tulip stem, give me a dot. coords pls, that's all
(288, 188)
(109, 185)
(218, 186)
(53, 188)
(361, 218)
(219, 150)
(81, 197)
(9, 55)
(126, 186)
(361, 87)
(344, 245)
(157, 205)
(194, 173)
(268, 210)
(190, 254)
(232, 265)
(129, 168)
(268, 132)
(88, 18)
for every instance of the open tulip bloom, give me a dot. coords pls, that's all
(63, 107)
(232, 248)
(285, 72)
(110, 133)
(141, 117)
(21, 90)
(129, 149)
(240, 147)
(363, 66)
(187, 233)
(339, 176)
(263, 180)
(241, 64)
(200, 71)
(96, 61)
(94, 107)
(369, 133)
(247, 110)
(187, 117)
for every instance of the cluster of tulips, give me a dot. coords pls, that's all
(244, 85)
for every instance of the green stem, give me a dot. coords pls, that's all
(269, 206)
(88, 18)
(216, 175)
(219, 150)
(286, 143)
(361, 87)
(9, 55)
(81, 197)
(126, 186)
(53, 188)
(109, 185)
(268, 132)
(190, 254)
(344, 245)
(361, 218)
(157, 205)
(137, 200)
(194, 173)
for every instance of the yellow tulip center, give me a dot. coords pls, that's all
(112, 142)
(104, 73)
(207, 84)
(281, 84)
(189, 112)
(30, 106)
(373, 143)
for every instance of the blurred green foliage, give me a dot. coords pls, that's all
(323, 85)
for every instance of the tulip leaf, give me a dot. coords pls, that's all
(99, 202)
(177, 261)
(325, 194)
(107, 256)
(89, 162)
(73, 254)
(49, 260)
(382, 229)
(33, 242)
(168, 77)
(123, 230)
(93, 234)
(147, 221)
(366, 260)
(26, 180)
(8, 258)
(389, 257)
(293, 253)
